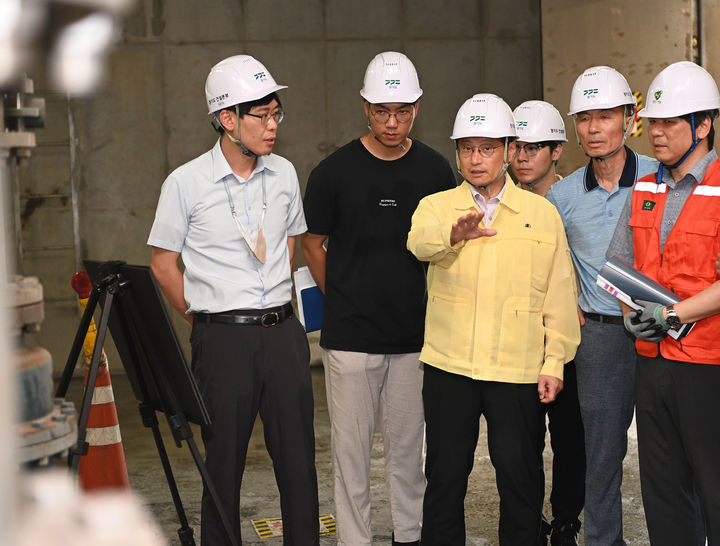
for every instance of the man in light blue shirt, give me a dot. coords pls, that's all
(589, 202)
(233, 214)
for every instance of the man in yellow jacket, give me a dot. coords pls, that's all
(501, 323)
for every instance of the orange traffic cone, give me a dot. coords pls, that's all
(104, 465)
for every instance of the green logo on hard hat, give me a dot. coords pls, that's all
(648, 205)
(392, 83)
(658, 94)
(590, 92)
(522, 124)
(260, 76)
(477, 119)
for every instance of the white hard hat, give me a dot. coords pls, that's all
(391, 77)
(238, 79)
(681, 88)
(484, 115)
(600, 88)
(539, 121)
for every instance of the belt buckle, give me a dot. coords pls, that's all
(270, 319)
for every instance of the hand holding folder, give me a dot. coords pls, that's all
(627, 284)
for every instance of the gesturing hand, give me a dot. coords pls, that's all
(468, 227)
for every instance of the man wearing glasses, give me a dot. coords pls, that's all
(360, 200)
(589, 202)
(233, 214)
(541, 133)
(501, 324)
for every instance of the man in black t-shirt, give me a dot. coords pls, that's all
(360, 201)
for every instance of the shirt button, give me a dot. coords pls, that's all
(677, 195)
(476, 371)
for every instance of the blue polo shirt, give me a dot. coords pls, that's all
(590, 213)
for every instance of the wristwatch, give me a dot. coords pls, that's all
(671, 317)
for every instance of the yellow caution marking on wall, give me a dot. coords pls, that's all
(272, 527)
(638, 124)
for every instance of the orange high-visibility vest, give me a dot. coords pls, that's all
(687, 264)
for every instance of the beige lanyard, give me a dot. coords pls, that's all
(258, 248)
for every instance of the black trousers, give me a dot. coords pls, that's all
(678, 422)
(567, 439)
(453, 406)
(242, 370)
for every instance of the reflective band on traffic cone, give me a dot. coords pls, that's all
(104, 465)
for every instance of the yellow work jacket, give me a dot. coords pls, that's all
(500, 308)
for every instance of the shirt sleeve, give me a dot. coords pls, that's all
(296, 217)
(429, 237)
(172, 217)
(621, 244)
(560, 318)
(319, 202)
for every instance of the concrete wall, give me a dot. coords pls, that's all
(93, 184)
(638, 38)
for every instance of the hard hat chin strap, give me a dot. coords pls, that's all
(237, 141)
(534, 183)
(502, 172)
(627, 128)
(696, 141)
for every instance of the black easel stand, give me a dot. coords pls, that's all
(113, 286)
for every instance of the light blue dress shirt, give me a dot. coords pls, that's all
(193, 218)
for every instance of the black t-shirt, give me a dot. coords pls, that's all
(375, 289)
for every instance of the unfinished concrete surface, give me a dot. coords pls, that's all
(92, 186)
(259, 496)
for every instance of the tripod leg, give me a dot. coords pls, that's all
(81, 448)
(149, 419)
(64, 383)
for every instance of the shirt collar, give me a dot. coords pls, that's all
(509, 196)
(697, 172)
(221, 168)
(627, 178)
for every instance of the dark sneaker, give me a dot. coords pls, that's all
(565, 533)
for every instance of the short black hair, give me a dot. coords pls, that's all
(245, 107)
(699, 118)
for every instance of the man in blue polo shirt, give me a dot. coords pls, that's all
(589, 202)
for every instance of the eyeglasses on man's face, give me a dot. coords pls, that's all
(382, 115)
(531, 149)
(277, 115)
(485, 150)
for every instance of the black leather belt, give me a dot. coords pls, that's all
(609, 319)
(258, 317)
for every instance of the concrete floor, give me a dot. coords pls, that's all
(260, 497)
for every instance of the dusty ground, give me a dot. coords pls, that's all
(260, 497)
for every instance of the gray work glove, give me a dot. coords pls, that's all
(647, 323)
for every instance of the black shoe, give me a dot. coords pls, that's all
(545, 531)
(565, 533)
(416, 543)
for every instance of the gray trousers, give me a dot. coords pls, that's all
(605, 363)
(363, 389)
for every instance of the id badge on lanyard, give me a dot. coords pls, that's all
(258, 248)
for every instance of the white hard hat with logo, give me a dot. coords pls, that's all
(238, 79)
(600, 88)
(681, 88)
(484, 115)
(539, 121)
(391, 77)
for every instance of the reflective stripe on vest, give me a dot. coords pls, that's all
(687, 263)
